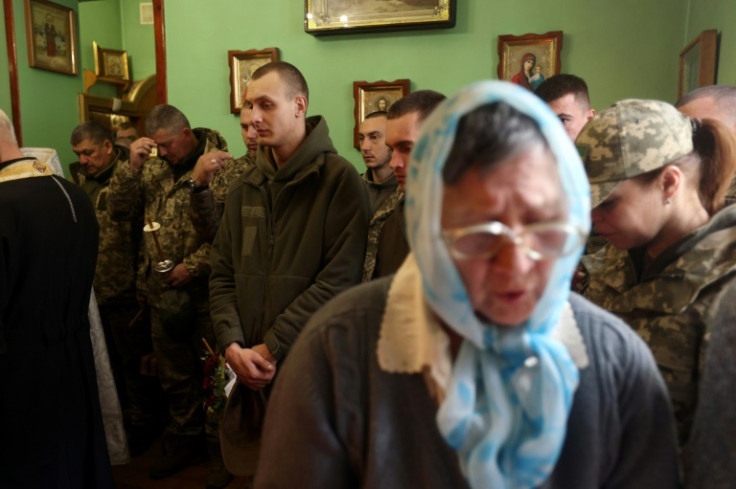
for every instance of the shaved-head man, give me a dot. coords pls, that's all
(567, 96)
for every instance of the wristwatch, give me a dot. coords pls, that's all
(194, 187)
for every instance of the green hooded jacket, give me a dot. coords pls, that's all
(290, 239)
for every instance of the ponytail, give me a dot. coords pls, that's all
(714, 143)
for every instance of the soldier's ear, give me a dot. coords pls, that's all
(107, 146)
(301, 106)
(670, 179)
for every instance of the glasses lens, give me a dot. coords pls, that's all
(553, 242)
(476, 245)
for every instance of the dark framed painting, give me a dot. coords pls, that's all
(374, 97)
(347, 16)
(242, 65)
(698, 62)
(51, 33)
(530, 59)
(111, 65)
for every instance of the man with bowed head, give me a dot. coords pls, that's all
(160, 189)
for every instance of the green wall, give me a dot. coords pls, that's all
(720, 15)
(623, 49)
(5, 102)
(138, 40)
(99, 21)
(48, 100)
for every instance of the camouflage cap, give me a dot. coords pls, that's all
(630, 138)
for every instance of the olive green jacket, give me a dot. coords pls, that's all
(153, 192)
(671, 302)
(290, 239)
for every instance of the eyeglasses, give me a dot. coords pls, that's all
(538, 241)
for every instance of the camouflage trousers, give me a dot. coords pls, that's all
(180, 370)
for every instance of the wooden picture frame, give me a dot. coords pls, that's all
(375, 96)
(51, 33)
(515, 52)
(242, 65)
(111, 65)
(348, 16)
(698, 63)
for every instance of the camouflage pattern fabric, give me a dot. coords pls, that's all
(673, 303)
(208, 205)
(387, 207)
(152, 192)
(115, 274)
(630, 138)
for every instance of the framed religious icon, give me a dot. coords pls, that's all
(347, 16)
(374, 97)
(242, 66)
(51, 33)
(529, 59)
(111, 65)
(698, 63)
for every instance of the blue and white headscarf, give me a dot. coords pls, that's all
(506, 409)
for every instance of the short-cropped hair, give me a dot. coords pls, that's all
(166, 117)
(421, 101)
(723, 95)
(92, 131)
(558, 86)
(289, 73)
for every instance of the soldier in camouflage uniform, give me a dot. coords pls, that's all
(671, 251)
(387, 245)
(207, 206)
(114, 284)
(160, 189)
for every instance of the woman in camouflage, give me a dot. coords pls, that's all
(658, 181)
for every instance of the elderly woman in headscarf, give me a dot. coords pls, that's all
(473, 366)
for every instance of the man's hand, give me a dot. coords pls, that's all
(207, 165)
(254, 371)
(140, 149)
(262, 350)
(179, 276)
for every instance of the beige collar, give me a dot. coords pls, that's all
(25, 168)
(411, 339)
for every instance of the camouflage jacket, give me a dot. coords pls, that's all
(671, 303)
(388, 207)
(119, 243)
(153, 192)
(207, 206)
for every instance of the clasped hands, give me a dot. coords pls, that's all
(255, 367)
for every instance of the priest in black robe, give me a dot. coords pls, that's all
(51, 432)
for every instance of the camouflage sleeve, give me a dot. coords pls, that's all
(207, 206)
(345, 233)
(198, 263)
(125, 196)
(205, 214)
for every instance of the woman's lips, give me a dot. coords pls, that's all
(511, 296)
